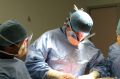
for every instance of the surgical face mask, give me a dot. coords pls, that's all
(22, 47)
(75, 37)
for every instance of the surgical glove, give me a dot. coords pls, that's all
(92, 75)
(53, 74)
(106, 78)
(118, 39)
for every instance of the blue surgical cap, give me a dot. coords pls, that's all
(13, 31)
(81, 21)
(118, 28)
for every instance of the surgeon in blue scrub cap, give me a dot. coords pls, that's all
(12, 37)
(114, 55)
(64, 53)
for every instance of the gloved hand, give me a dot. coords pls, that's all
(118, 39)
(107, 78)
(92, 75)
(53, 74)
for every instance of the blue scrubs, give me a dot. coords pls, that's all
(13, 69)
(114, 60)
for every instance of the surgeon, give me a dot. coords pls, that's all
(13, 44)
(65, 52)
(114, 55)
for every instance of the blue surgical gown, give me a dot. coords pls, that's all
(53, 51)
(114, 60)
(13, 69)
